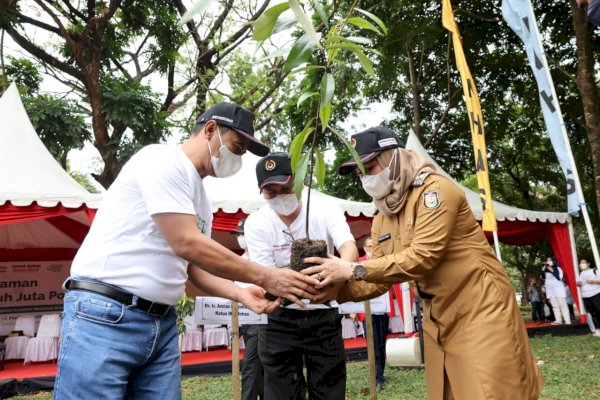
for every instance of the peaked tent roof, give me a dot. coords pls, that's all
(44, 213)
(240, 193)
(503, 211)
(29, 172)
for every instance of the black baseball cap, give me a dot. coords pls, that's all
(237, 118)
(275, 169)
(239, 229)
(368, 144)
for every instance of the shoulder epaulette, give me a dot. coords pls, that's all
(420, 179)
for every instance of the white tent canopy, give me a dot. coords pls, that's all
(503, 212)
(29, 172)
(31, 175)
(240, 192)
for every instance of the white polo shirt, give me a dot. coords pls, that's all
(589, 289)
(269, 239)
(124, 246)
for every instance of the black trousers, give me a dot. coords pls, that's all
(537, 311)
(381, 325)
(296, 338)
(251, 368)
(592, 305)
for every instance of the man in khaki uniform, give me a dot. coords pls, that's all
(476, 344)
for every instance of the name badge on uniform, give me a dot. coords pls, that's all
(384, 237)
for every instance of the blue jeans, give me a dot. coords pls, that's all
(113, 351)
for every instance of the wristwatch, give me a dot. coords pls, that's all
(359, 271)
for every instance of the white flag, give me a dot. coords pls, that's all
(519, 16)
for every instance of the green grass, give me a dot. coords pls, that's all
(571, 369)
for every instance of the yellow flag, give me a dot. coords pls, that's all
(475, 118)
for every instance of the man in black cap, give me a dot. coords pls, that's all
(119, 335)
(297, 337)
(426, 232)
(251, 368)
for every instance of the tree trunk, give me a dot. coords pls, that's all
(415, 92)
(588, 89)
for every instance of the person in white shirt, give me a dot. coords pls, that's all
(152, 231)
(295, 337)
(552, 274)
(589, 282)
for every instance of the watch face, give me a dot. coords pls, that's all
(359, 271)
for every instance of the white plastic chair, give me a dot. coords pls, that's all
(44, 346)
(17, 345)
(191, 339)
(215, 335)
(348, 328)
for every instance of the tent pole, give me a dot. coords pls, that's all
(575, 264)
(497, 246)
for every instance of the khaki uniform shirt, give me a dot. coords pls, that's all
(476, 344)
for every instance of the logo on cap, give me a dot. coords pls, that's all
(270, 165)
(240, 222)
(353, 142)
(387, 142)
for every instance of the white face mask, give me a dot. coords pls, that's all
(242, 241)
(379, 185)
(284, 204)
(583, 266)
(227, 163)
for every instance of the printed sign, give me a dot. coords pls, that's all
(32, 287)
(217, 310)
(379, 304)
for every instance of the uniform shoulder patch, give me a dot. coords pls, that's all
(431, 199)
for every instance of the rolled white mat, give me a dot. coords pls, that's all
(402, 352)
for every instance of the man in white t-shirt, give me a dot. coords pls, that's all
(119, 334)
(294, 338)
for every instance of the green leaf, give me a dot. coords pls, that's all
(305, 23)
(300, 53)
(305, 96)
(365, 62)
(363, 23)
(284, 22)
(263, 27)
(375, 19)
(198, 8)
(320, 169)
(359, 40)
(349, 146)
(325, 113)
(327, 88)
(321, 11)
(301, 174)
(347, 46)
(298, 143)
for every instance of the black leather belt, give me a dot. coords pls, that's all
(114, 293)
